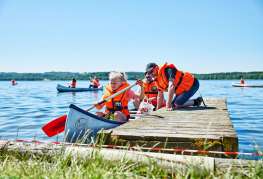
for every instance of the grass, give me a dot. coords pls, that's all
(29, 165)
(14, 165)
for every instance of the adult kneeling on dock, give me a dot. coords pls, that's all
(181, 86)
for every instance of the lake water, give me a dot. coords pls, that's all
(24, 108)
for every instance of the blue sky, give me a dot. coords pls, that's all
(86, 36)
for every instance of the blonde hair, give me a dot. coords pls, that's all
(117, 75)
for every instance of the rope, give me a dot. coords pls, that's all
(150, 149)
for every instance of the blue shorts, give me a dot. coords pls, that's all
(182, 98)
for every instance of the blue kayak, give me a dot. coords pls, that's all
(62, 88)
(82, 126)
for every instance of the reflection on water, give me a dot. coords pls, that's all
(24, 108)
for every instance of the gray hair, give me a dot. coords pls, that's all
(118, 75)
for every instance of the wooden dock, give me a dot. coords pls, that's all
(198, 128)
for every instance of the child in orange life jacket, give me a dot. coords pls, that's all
(117, 107)
(73, 83)
(148, 92)
(180, 85)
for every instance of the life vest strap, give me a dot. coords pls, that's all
(152, 92)
(119, 109)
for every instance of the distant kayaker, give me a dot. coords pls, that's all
(13, 82)
(73, 83)
(94, 83)
(148, 92)
(242, 81)
(181, 86)
(117, 107)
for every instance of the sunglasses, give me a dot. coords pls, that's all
(150, 71)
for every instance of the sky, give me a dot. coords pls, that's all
(202, 36)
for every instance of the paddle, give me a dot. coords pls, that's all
(57, 125)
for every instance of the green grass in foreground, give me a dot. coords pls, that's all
(27, 165)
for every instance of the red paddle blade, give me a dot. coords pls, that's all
(55, 126)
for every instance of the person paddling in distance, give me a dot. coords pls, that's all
(148, 92)
(13, 82)
(242, 81)
(181, 86)
(117, 107)
(73, 83)
(94, 82)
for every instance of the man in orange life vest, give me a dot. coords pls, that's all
(182, 85)
(148, 91)
(117, 107)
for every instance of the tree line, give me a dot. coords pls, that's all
(231, 76)
(131, 76)
(62, 76)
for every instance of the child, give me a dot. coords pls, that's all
(148, 92)
(117, 107)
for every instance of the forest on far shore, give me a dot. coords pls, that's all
(4, 76)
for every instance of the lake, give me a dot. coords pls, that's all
(24, 108)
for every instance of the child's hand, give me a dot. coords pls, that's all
(169, 109)
(98, 106)
(151, 99)
(100, 114)
(139, 82)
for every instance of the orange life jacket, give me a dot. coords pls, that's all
(96, 83)
(73, 84)
(183, 80)
(118, 103)
(150, 89)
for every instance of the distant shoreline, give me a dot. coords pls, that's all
(52, 76)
